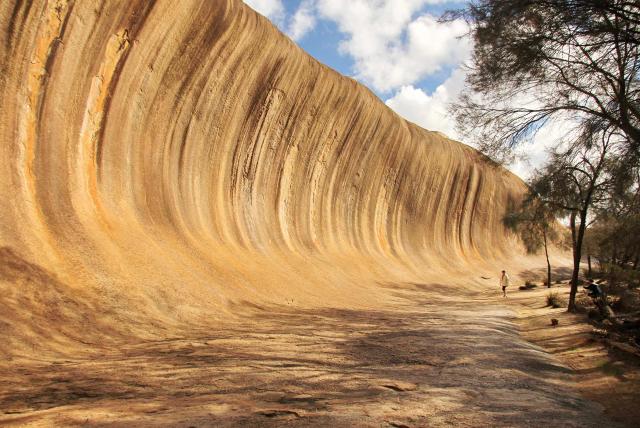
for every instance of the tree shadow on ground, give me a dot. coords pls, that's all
(561, 273)
(427, 361)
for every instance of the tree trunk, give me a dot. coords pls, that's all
(589, 265)
(572, 223)
(577, 254)
(546, 253)
(574, 276)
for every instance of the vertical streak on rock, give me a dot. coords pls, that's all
(49, 33)
(19, 14)
(93, 120)
(465, 231)
(199, 140)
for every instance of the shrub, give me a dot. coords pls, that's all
(528, 285)
(628, 301)
(583, 303)
(622, 277)
(594, 314)
(616, 303)
(614, 288)
(555, 300)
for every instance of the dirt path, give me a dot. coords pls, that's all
(424, 363)
(605, 375)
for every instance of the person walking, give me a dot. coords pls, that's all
(504, 283)
(595, 292)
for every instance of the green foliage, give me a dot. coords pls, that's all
(561, 51)
(581, 60)
(532, 221)
(618, 276)
(627, 301)
(614, 237)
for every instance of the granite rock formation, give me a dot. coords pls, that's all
(164, 166)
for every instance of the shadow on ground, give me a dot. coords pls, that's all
(562, 273)
(604, 374)
(428, 362)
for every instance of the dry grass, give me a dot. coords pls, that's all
(555, 300)
(528, 285)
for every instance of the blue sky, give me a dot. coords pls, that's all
(397, 48)
(323, 42)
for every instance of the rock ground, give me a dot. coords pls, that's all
(429, 360)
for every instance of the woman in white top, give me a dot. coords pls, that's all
(504, 283)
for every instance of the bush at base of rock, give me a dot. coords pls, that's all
(555, 300)
(528, 286)
(584, 303)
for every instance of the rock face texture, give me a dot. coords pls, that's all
(179, 162)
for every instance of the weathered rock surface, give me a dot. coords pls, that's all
(166, 165)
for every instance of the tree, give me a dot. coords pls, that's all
(535, 224)
(574, 181)
(540, 61)
(537, 62)
(614, 236)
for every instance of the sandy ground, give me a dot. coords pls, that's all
(426, 361)
(600, 373)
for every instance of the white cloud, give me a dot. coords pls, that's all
(272, 9)
(394, 45)
(430, 110)
(391, 47)
(303, 20)
(391, 42)
(534, 154)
